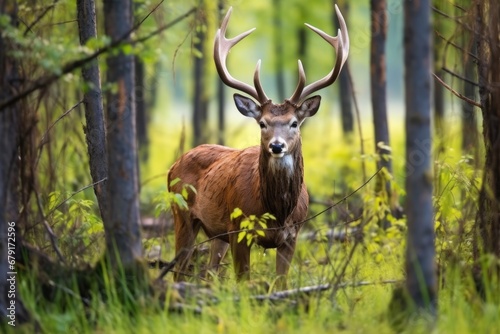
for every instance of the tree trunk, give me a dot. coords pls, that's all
(141, 108)
(221, 91)
(200, 101)
(345, 90)
(11, 307)
(420, 254)
(95, 130)
(469, 122)
(123, 237)
(378, 82)
(438, 91)
(378, 79)
(278, 50)
(488, 222)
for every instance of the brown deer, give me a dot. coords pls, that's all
(262, 179)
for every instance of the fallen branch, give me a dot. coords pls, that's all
(308, 290)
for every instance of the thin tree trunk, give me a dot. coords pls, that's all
(141, 108)
(278, 50)
(95, 130)
(439, 111)
(221, 92)
(200, 101)
(469, 122)
(123, 237)
(345, 91)
(378, 83)
(12, 308)
(421, 282)
(488, 25)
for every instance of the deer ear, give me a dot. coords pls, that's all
(309, 107)
(247, 106)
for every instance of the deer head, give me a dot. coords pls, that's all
(279, 123)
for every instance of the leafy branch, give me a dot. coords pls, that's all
(73, 65)
(251, 226)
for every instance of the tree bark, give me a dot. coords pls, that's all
(123, 238)
(378, 84)
(200, 100)
(421, 282)
(221, 96)
(278, 50)
(469, 122)
(488, 25)
(438, 91)
(95, 130)
(12, 308)
(345, 90)
(141, 108)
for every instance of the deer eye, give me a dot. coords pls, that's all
(294, 124)
(262, 125)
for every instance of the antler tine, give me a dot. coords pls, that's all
(258, 86)
(222, 47)
(341, 45)
(300, 85)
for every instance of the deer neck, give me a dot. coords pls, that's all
(281, 182)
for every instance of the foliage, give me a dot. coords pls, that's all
(78, 224)
(455, 202)
(165, 199)
(252, 226)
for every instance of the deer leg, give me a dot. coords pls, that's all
(241, 257)
(185, 234)
(284, 255)
(218, 249)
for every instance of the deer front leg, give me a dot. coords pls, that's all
(218, 249)
(284, 255)
(241, 257)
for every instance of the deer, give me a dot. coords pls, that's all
(267, 178)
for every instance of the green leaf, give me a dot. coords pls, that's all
(174, 181)
(193, 189)
(241, 235)
(236, 213)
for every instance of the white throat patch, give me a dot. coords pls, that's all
(284, 164)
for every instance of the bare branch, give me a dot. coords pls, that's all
(449, 42)
(52, 236)
(45, 11)
(456, 75)
(457, 94)
(73, 194)
(42, 141)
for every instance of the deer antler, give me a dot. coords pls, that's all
(341, 45)
(222, 46)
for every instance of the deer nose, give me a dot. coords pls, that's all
(277, 148)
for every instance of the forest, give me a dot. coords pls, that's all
(136, 197)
